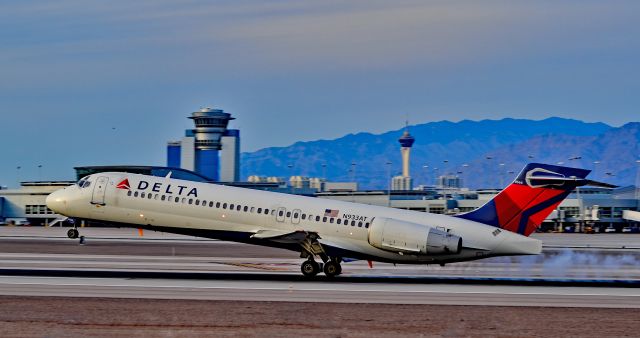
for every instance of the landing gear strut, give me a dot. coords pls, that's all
(312, 248)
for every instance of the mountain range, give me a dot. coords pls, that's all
(485, 154)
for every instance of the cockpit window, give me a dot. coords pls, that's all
(83, 183)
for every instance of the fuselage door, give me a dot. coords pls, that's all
(295, 218)
(99, 189)
(280, 214)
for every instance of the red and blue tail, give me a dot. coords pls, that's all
(524, 204)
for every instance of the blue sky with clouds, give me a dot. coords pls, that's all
(109, 82)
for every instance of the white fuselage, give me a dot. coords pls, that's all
(231, 213)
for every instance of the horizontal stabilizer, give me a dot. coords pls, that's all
(551, 181)
(592, 183)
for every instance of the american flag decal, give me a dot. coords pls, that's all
(331, 212)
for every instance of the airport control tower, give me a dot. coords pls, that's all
(210, 149)
(404, 182)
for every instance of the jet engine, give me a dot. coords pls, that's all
(406, 237)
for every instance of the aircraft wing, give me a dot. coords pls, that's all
(297, 236)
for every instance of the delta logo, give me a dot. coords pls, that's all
(124, 184)
(179, 190)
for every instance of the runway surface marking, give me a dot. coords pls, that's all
(322, 292)
(605, 266)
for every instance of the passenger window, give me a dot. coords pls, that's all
(324, 219)
(331, 220)
(253, 209)
(280, 213)
(231, 206)
(129, 193)
(259, 210)
(224, 205)
(163, 197)
(177, 199)
(339, 221)
(217, 204)
(135, 194)
(246, 208)
(191, 201)
(184, 200)
(197, 202)
(238, 207)
(150, 196)
(366, 225)
(155, 197)
(317, 218)
(304, 216)
(353, 223)
(288, 213)
(359, 224)
(296, 215)
(142, 195)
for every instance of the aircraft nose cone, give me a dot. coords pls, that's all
(56, 201)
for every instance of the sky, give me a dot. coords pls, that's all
(110, 82)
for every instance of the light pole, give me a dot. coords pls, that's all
(435, 177)
(637, 194)
(489, 164)
(580, 202)
(595, 169)
(290, 166)
(389, 180)
(464, 173)
(426, 174)
(18, 174)
(353, 179)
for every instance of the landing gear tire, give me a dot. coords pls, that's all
(73, 233)
(310, 268)
(332, 269)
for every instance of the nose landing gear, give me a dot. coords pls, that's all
(73, 233)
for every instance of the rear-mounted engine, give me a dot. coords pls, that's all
(406, 237)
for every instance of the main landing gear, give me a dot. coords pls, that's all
(331, 267)
(310, 268)
(312, 248)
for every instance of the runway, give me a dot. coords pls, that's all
(334, 292)
(118, 263)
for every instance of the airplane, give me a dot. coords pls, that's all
(333, 231)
